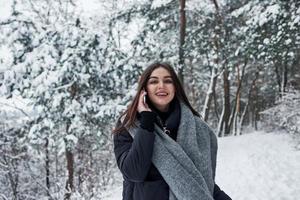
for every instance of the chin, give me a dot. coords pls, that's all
(162, 104)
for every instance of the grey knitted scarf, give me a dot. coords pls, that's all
(188, 164)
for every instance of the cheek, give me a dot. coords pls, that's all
(150, 91)
(172, 89)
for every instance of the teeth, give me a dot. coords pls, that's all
(161, 94)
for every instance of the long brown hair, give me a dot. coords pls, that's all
(131, 113)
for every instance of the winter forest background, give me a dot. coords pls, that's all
(69, 67)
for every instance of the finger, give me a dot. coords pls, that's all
(141, 97)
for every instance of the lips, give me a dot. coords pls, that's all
(161, 94)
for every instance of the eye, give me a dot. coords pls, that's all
(168, 81)
(153, 81)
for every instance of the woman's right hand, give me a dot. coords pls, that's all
(143, 106)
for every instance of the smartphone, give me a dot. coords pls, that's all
(145, 99)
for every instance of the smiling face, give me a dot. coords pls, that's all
(160, 89)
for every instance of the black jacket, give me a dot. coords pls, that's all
(142, 181)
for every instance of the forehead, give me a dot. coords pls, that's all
(160, 72)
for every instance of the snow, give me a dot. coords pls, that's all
(266, 41)
(262, 165)
(89, 8)
(72, 138)
(205, 6)
(253, 166)
(6, 57)
(288, 41)
(159, 3)
(5, 9)
(16, 104)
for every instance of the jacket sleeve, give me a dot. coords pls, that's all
(134, 155)
(219, 194)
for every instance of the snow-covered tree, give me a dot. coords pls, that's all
(73, 78)
(285, 114)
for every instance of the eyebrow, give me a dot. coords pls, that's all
(157, 77)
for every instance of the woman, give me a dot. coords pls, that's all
(162, 147)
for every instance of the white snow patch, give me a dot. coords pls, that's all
(159, 3)
(259, 166)
(5, 9)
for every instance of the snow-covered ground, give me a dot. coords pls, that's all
(255, 166)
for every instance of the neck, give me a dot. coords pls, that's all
(163, 109)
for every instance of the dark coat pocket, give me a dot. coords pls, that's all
(158, 190)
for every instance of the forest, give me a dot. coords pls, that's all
(67, 72)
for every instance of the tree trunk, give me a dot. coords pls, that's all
(69, 154)
(216, 106)
(221, 124)
(182, 39)
(191, 86)
(210, 93)
(252, 86)
(13, 178)
(281, 72)
(90, 179)
(214, 75)
(295, 76)
(237, 103)
(234, 119)
(70, 168)
(47, 166)
(80, 174)
(254, 108)
(224, 128)
(284, 79)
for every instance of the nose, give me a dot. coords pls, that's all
(161, 84)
